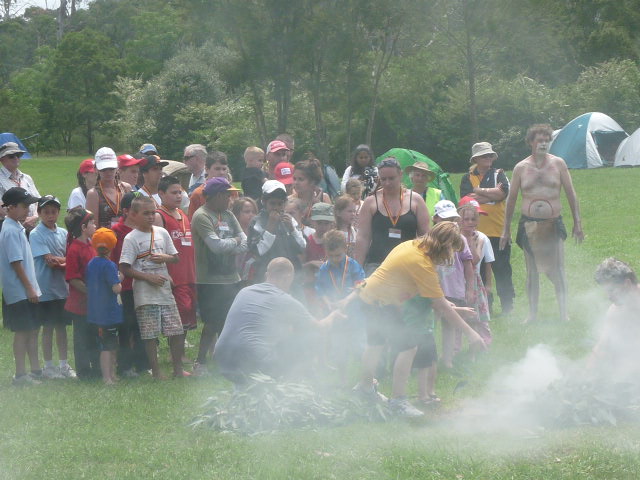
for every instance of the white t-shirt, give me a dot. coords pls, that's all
(487, 251)
(135, 252)
(76, 199)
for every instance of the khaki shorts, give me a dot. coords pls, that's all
(153, 319)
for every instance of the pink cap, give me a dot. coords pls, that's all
(276, 146)
(471, 201)
(284, 173)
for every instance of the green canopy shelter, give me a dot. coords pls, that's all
(408, 157)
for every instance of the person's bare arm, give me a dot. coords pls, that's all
(32, 295)
(158, 221)
(363, 240)
(469, 279)
(117, 288)
(572, 198)
(164, 258)
(444, 309)
(92, 203)
(153, 279)
(488, 275)
(510, 207)
(422, 213)
(78, 285)
(486, 195)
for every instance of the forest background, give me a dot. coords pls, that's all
(430, 75)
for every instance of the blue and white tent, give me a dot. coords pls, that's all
(11, 137)
(588, 141)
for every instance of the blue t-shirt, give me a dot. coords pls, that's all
(14, 247)
(336, 282)
(102, 304)
(51, 280)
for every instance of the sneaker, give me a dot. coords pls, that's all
(401, 407)
(67, 372)
(130, 373)
(25, 379)
(370, 394)
(51, 372)
(200, 369)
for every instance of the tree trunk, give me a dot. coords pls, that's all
(6, 9)
(62, 15)
(90, 136)
(320, 130)
(471, 74)
(386, 53)
(349, 73)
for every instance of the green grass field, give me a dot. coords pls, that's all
(67, 429)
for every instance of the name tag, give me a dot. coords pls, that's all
(186, 240)
(223, 227)
(395, 233)
(115, 221)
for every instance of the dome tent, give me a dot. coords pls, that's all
(628, 153)
(409, 157)
(588, 141)
(11, 137)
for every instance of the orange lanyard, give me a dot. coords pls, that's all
(394, 219)
(183, 229)
(114, 208)
(344, 275)
(150, 196)
(147, 253)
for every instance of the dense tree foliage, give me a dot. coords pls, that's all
(434, 76)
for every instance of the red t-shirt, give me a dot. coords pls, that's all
(121, 231)
(315, 250)
(183, 272)
(79, 254)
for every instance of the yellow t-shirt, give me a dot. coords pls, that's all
(405, 273)
(492, 223)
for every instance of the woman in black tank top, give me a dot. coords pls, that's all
(383, 224)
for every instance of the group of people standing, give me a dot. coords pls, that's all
(295, 269)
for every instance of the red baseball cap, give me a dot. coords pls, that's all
(284, 173)
(471, 201)
(276, 146)
(127, 160)
(87, 166)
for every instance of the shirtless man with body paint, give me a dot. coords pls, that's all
(541, 176)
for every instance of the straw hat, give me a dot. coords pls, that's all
(422, 167)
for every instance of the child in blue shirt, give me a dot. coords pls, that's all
(20, 290)
(103, 309)
(336, 279)
(49, 245)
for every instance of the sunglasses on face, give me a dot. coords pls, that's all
(12, 155)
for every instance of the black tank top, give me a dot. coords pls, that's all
(381, 243)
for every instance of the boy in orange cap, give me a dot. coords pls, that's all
(104, 311)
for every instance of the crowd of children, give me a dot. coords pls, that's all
(154, 265)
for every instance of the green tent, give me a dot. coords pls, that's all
(409, 157)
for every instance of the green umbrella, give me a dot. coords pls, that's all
(407, 158)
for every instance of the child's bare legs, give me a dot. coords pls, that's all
(32, 350)
(427, 382)
(176, 346)
(370, 359)
(47, 343)
(151, 347)
(448, 334)
(106, 366)
(401, 372)
(20, 342)
(61, 342)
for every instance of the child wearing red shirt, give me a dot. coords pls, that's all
(81, 226)
(183, 274)
(132, 358)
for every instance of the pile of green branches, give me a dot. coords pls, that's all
(265, 405)
(579, 402)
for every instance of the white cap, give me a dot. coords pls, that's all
(445, 209)
(271, 186)
(106, 158)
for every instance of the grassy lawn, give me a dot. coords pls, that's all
(67, 429)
